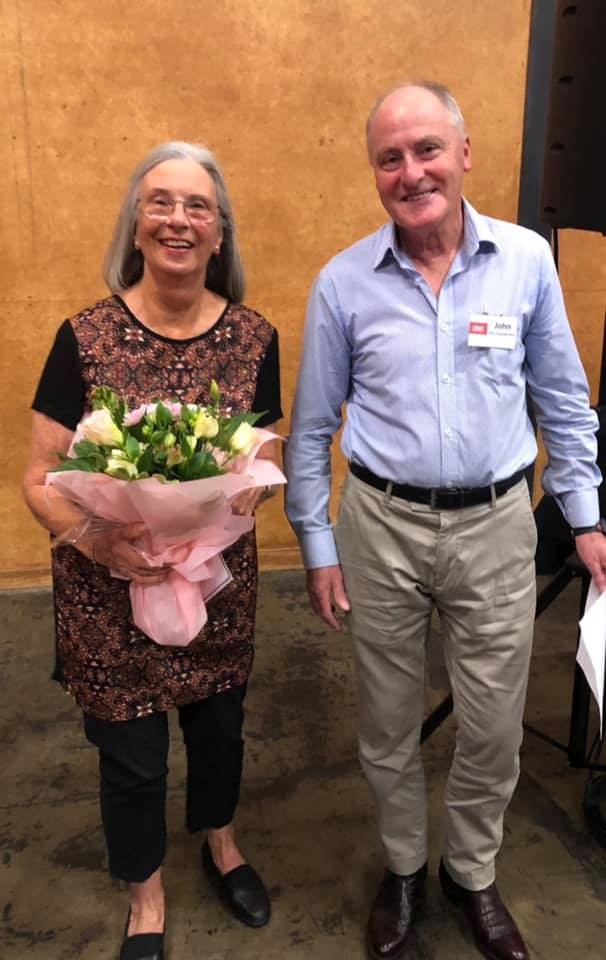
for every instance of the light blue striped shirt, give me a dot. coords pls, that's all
(424, 407)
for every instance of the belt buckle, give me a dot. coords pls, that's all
(453, 495)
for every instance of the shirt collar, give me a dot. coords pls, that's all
(478, 238)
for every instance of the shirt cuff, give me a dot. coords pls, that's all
(581, 508)
(319, 549)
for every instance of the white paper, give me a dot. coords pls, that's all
(591, 655)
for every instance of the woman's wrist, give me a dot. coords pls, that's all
(79, 536)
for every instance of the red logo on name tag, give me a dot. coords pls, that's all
(475, 327)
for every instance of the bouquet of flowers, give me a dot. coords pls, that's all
(176, 468)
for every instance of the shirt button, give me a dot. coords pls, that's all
(448, 433)
(446, 378)
(444, 327)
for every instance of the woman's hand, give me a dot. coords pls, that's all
(247, 502)
(116, 551)
(115, 548)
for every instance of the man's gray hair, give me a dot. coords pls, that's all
(439, 91)
(124, 263)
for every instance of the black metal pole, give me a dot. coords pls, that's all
(536, 108)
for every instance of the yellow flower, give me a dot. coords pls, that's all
(100, 428)
(243, 439)
(205, 426)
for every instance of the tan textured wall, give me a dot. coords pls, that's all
(280, 91)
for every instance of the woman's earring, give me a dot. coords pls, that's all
(217, 249)
(136, 243)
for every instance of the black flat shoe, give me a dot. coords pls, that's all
(142, 946)
(241, 889)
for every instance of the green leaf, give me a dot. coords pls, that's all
(86, 448)
(131, 448)
(164, 417)
(229, 427)
(202, 464)
(199, 459)
(145, 461)
(75, 464)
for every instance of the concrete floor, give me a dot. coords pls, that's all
(305, 818)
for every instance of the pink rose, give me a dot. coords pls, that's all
(134, 416)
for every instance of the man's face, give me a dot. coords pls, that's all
(419, 157)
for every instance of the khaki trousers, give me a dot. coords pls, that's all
(401, 560)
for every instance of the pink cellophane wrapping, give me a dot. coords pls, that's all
(188, 526)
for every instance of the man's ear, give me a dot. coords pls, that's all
(466, 154)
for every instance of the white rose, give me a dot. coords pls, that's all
(100, 428)
(243, 439)
(205, 426)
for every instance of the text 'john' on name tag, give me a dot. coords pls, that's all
(488, 331)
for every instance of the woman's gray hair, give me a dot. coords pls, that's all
(439, 91)
(124, 263)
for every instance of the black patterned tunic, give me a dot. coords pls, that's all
(114, 671)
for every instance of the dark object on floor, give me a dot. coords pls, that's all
(594, 807)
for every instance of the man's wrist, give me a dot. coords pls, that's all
(599, 527)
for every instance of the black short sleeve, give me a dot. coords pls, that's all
(60, 393)
(267, 396)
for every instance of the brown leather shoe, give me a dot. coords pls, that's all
(393, 913)
(494, 929)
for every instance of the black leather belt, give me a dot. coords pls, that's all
(439, 498)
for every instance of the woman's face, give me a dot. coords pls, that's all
(176, 246)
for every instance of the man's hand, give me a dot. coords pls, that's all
(591, 547)
(326, 592)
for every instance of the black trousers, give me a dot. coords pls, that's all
(133, 767)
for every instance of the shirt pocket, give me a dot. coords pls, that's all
(495, 365)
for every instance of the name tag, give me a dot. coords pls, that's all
(488, 331)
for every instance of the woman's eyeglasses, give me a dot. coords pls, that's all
(196, 209)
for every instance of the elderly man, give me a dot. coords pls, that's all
(430, 330)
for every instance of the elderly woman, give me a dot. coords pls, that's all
(175, 321)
